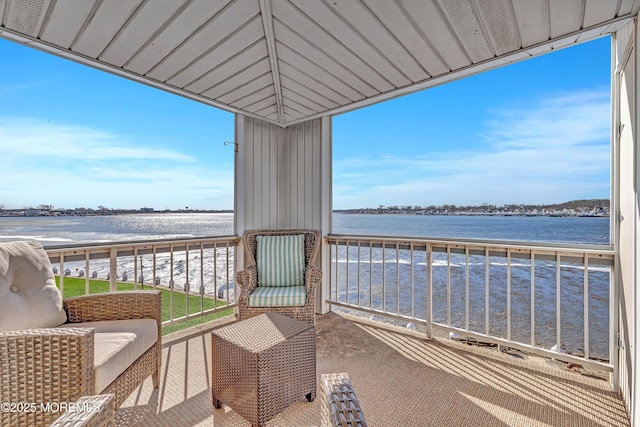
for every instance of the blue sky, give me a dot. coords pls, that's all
(533, 132)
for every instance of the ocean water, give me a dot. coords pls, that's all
(103, 229)
(52, 231)
(581, 230)
(70, 230)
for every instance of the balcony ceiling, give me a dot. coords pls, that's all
(287, 61)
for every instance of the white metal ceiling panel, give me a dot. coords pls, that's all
(240, 91)
(243, 60)
(244, 37)
(269, 112)
(464, 21)
(307, 67)
(104, 26)
(322, 41)
(304, 48)
(291, 115)
(180, 29)
(289, 94)
(265, 92)
(26, 17)
(216, 30)
(532, 17)
(306, 111)
(219, 87)
(150, 19)
(565, 16)
(500, 25)
(292, 60)
(365, 22)
(595, 10)
(291, 73)
(316, 97)
(433, 25)
(331, 19)
(267, 102)
(626, 6)
(403, 27)
(66, 21)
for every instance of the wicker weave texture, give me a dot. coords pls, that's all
(92, 411)
(263, 364)
(247, 279)
(53, 366)
(339, 405)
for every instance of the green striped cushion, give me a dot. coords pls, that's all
(278, 297)
(280, 260)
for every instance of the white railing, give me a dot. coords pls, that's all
(554, 301)
(197, 270)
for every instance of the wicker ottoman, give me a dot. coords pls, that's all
(263, 364)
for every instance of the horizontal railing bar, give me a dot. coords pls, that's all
(379, 312)
(149, 243)
(607, 251)
(199, 314)
(123, 249)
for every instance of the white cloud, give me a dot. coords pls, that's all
(28, 137)
(69, 167)
(555, 150)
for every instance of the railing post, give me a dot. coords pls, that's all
(429, 293)
(113, 269)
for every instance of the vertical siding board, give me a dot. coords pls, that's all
(274, 194)
(308, 174)
(257, 174)
(301, 175)
(249, 171)
(317, 194)
(285, 167)
(293, 168)
(265, 164)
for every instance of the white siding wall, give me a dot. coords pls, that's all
(279, 178)
(302, 186)
(626, 184)
(260, 150)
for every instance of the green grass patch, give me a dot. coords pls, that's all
(77, 286)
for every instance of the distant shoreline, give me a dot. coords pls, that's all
(598, 208)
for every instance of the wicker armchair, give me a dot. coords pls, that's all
(55, 365)
(247, 279)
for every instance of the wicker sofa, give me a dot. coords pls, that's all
(249, 281)
(55, 351)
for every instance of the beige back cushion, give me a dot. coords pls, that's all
(29, 297)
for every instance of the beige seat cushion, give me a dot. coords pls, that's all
(29, 297)
(118, 343)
